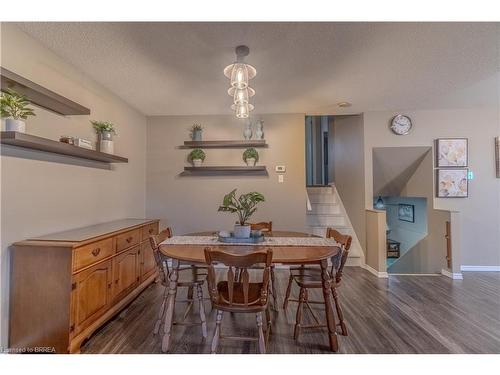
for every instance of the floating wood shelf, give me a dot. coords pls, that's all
(227, 170)
(48, 145)
(41, 96)
(225, 144)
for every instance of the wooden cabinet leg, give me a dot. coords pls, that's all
(169, 314)
(330, 317)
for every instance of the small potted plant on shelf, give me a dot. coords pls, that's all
(250, 156)
(197, 156)
(105, 131)
(14, 108)
(196, 132)
(244, 207)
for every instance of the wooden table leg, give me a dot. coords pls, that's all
(169, 314)
(330, 316)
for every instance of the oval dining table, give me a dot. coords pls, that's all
(184, 252)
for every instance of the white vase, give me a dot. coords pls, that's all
(106, 146)
(197, 162)
(259, 133)
(242, 231)
(247, 133)
(250, 162)
(12, 125)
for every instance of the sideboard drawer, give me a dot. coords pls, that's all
(148, 230)
(128, 239)
(92, 253)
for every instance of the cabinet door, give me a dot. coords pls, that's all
(148, 263)
(126, 272)
(91, 295)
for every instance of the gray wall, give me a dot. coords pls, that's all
(44, 196)
(480, 213)
(190, 203)
(349, 169)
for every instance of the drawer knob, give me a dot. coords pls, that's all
(129, 239)
(96, 251)
(151, 231)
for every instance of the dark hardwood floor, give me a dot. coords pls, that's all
(402, 314)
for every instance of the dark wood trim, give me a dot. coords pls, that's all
(41, 96)
(48, 145)
(231, 170)
(225, 144)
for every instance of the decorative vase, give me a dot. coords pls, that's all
(197, 162)
(250, 162)
(106, 143)
(12, 125)
(196, 135)
(259, 133)
(242, 231)
(247, 133)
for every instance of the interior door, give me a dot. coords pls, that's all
(126, 272)
(91, 295)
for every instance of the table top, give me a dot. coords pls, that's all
(286, 254)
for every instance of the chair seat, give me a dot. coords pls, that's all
(254, 302)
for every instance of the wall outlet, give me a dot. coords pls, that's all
(281, 178)
(280, 169)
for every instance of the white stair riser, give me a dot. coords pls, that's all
(323, 190)
(323, 220)
(324, 209)
(322, 198)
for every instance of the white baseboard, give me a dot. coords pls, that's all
(452, 275)
(480, 268)
(382, 275)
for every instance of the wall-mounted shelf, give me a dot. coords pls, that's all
(227, 170)
(48, 145)
(224, 144)
(41, 96)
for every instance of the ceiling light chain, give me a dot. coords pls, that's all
(239, 74)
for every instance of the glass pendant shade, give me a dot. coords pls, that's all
(239, 76)
(241, 95)
(379, 204)
(242, 110)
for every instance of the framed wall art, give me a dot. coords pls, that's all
(451, 152)
(452, 183)
(406, 212)
(497, 155)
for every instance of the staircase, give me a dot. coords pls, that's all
(326, 210)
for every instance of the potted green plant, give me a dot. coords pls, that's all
(244, 206)
(196, 132)
(197, 156)
(250, 156)
(105, 131)
(14, 109)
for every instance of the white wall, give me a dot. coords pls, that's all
(480, 212)
(190, 203)
(58, 193)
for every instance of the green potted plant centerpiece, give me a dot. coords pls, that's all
(197, 156)
(196, 132)
(14, 109)
(105, 131)
(250, 156)
(244, 206)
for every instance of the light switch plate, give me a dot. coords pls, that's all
(280, 178)
(280, 169)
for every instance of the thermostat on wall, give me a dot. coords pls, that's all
(280, 169)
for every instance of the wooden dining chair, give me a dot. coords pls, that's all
(240, 297)
(190, 276)
(309, 277)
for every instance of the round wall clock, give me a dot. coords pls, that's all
(401, 125)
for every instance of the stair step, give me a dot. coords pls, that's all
(322, 198)
(324, 208)
(325, 220)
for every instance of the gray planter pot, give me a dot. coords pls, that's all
(197, 135)
(242, 231)
(15, 125)
(105, 136)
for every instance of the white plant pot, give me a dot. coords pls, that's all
(242, 231)
(197, 162)
(12, 125)
(250, 162)
(106, 146)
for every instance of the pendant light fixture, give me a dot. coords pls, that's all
(239, 74)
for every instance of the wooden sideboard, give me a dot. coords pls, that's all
(64, 286)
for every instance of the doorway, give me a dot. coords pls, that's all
(319, 150)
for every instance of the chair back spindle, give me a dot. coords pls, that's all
(338, 262)
(161, 261)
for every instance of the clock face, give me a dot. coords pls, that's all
(401, 125)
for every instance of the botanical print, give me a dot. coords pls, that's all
(452, 183)
(452, 152)
(406, 212)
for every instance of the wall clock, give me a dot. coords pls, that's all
(401, 125)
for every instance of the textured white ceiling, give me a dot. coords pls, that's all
(176, 68)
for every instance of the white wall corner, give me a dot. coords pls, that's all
(480, 268)
(381, 275)
(452, 275)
